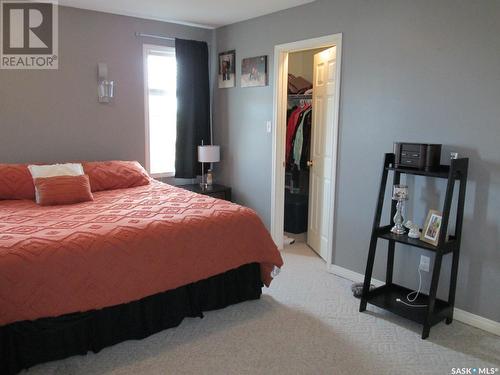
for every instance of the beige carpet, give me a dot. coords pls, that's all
(306, 323)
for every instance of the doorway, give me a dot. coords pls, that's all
(321, 168)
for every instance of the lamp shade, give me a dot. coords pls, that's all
(400, 193)
(208, 154)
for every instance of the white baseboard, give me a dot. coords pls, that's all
(477, 321)
(473, 320)
(351, 275)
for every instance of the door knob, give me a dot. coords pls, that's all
(309, 163)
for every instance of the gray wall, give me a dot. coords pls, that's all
(412, 70)
(54, 115)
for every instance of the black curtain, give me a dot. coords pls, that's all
(193, 105)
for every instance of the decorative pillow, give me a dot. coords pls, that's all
(111, 175)
(60, 190)
(16, 182)
(68, 169)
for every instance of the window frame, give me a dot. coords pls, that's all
(148, 49)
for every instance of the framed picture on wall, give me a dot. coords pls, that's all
(432, 227)
(227, 69)
(254, 71)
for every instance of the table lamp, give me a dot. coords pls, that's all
(399, 194)
(207, 154)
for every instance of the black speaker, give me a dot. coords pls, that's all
(423, 156)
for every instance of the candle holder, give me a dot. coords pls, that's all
(399, 194)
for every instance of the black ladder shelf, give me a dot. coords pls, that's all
(386, 295)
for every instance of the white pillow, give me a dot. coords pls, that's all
(40, 171)
(69, 169)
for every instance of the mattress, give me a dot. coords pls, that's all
(124, 246)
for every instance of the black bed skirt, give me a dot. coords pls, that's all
(25, 344)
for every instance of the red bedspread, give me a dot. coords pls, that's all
(126, 245)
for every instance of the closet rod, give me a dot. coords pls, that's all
(299, 96)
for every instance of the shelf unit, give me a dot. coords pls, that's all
(435, 310)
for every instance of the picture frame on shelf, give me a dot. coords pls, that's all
(254, 71)
(432, 227)
(227, 69)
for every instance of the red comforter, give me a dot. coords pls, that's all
(126, 245)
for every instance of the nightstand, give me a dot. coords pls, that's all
(215, 191)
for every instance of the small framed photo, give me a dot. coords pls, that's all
(254, 71)
(227, 69)
(432, 227)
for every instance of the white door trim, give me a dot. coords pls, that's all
(279, 133)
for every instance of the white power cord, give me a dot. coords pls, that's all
(415, 292)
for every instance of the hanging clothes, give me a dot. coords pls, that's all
(306, 144)
(299, 138)
(293, 122)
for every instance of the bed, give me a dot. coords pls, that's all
(133, 262)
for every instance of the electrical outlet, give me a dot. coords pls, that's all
(424, 263)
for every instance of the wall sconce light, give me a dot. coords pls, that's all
(105, 88)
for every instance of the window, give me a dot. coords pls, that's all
(161, 109)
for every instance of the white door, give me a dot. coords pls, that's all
(322, 149)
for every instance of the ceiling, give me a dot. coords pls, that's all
(204, 13)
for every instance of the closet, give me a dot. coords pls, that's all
(299, 132)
